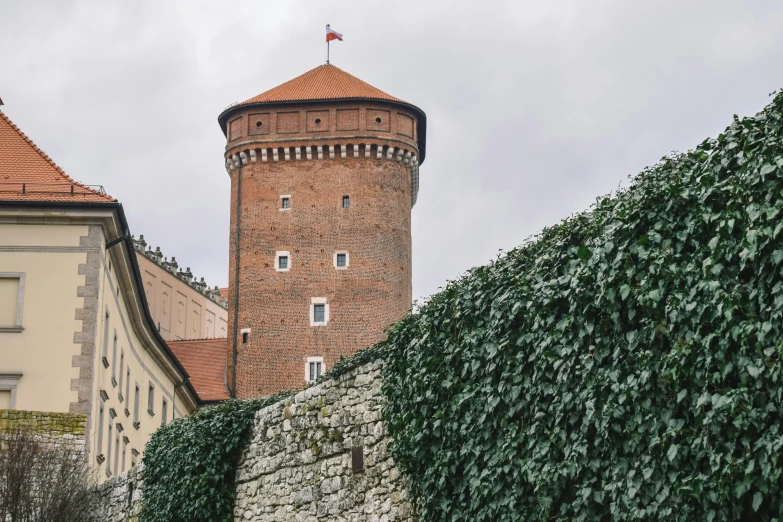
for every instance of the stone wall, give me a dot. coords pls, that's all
(119, 499)
(56, 428)
(298, 465)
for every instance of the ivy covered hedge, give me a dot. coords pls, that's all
(190, 464)
(622, 365)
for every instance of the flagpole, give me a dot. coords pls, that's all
(327, 44)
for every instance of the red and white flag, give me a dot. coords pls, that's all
(331, 34)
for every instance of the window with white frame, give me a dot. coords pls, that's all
(8, 383)
(282, 261)
(341, 260)
(11, 301)
(319, 311)
(314, 367)
(285, 202)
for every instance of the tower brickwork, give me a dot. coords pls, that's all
(329, 174)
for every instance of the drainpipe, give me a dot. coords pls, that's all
(237, 220)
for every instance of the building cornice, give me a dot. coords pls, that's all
(420, 116)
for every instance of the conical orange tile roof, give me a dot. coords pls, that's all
(325, 82)
(328, 83)
(28, 174)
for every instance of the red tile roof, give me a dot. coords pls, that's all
(205, 362)
(28, 174)
(325, 82)
(224, 292)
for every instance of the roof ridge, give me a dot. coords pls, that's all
(49, 160)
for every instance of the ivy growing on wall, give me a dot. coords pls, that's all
(622, 365)
(189, 464)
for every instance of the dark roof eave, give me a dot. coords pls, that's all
(117, 206)
(420, 115)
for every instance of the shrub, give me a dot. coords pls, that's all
(189, 464)
(624, 364)
(42, 481)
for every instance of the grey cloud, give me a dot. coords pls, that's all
(534, 108)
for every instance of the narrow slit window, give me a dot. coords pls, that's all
(151, 400)
(136, 400)
(122, 369)
(108, 452)
(346, 202)
(285, 203)
(164, 412)
(99, 451)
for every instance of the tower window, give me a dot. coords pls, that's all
(282, 261)
(245, 335)
(314, 368)
(377, 120)
(319, 311)
(318, 121)
(341, 260)
(346, 201)
(285, 202)
(259, 124)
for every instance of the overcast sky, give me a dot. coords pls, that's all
(534, 108)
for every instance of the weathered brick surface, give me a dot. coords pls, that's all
(375, 290)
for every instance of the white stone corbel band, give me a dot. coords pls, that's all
(398, 154)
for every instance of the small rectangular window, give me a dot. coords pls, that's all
(319, 315)
(11, 300)
(346, 201)
(314, 368)
(283, 262)
(341, 259)
(164, 412)
(124, 452)
(245, 336)
(285, 202)
(151, 400)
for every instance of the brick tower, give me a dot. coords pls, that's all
(324, 173)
